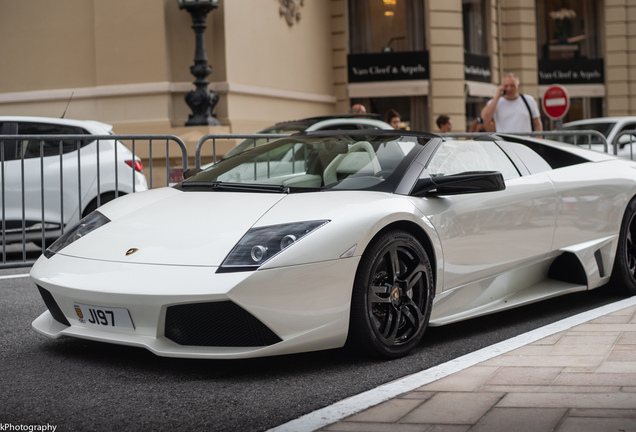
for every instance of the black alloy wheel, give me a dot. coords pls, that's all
(392, 296)
(624, 272)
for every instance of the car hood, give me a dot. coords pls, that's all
(171, 227)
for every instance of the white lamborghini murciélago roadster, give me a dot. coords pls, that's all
(327, 239)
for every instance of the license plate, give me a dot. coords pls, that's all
(114, 318)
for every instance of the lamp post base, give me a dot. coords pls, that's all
(202, 102)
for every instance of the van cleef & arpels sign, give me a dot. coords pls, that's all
(412, 65)
(573, 71)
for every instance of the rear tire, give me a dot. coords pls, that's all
(392, 297)
(624, 271)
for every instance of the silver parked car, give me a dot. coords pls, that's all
(611, 127)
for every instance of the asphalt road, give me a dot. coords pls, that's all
(80, 385)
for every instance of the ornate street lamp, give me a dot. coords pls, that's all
(201, 101)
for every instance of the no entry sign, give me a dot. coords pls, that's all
(555, 102)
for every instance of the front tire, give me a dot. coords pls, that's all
(624, 272)
(392, 297)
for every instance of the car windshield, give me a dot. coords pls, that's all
(310, 163)
(602, 127)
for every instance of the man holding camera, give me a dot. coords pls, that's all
(511, 111)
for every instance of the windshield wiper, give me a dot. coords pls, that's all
(235, 187)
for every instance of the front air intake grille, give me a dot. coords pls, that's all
(54, 309)
(221, 324)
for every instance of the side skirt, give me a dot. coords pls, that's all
(573, 268)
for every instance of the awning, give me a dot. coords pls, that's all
(481, 89)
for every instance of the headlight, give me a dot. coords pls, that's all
(259, 245)
(83, 227)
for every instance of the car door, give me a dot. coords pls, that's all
(486, 234)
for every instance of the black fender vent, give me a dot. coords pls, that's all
(568, 268)
(599, 262)
(55, 310)
(221, 324)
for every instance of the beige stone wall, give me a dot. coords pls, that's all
(446, 54)
(519, 43)
(51, 49)
(295, 58)
(262, 50)
(494, 48)
(128, 62)
(39, 50)
(616, 57)
(81, 43)
(339, 51)
(631, 54)
(286, 74)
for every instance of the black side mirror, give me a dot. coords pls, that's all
(463, 183)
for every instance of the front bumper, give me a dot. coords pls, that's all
(306, 306)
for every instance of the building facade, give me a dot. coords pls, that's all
(126, 62)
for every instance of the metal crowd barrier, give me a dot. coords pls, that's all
(25, 162)
(616, 145)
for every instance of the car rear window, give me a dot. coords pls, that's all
(51, 147)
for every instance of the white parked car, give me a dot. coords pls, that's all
(377, 236)
(29, 180)
(611, 127)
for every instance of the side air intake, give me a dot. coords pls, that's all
(568, 268)
(55, 310)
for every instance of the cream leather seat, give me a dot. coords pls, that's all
(359, 159)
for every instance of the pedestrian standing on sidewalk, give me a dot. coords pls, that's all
(393, 118)
(511, 111)
(444, 123)
(358, 109)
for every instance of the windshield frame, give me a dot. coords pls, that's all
(320, 158)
